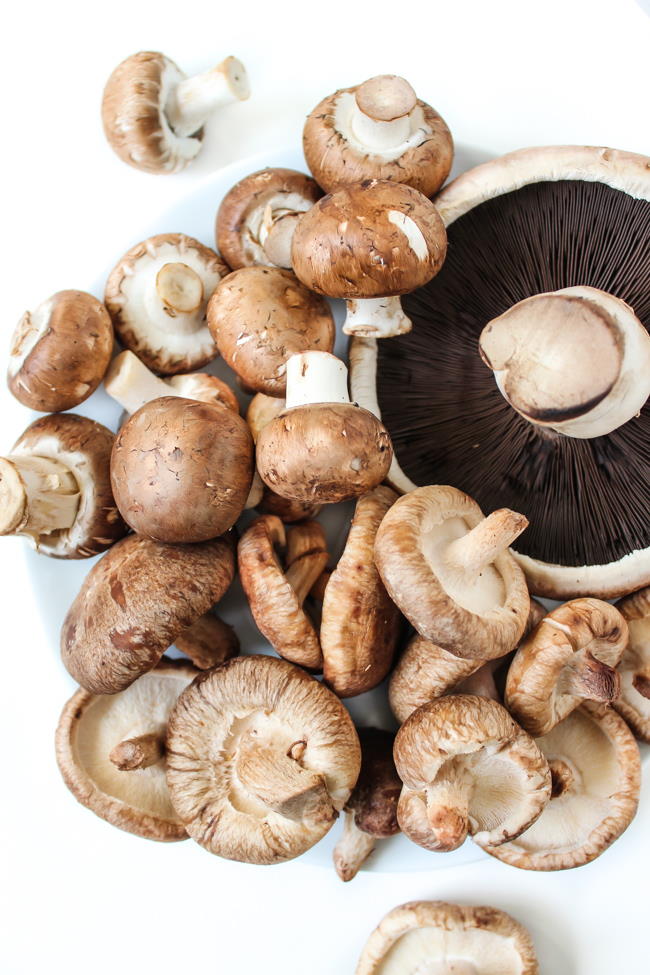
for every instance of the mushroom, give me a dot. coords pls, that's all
(257, 217)
(260, 760)
(153, 115)
(276, 593)
(378, 130)
(369, 243)
(208, 642)
(322, 448)
(55, 488)
(157, 295)
(448, 569)
(447, 939)
(371, 810)
(596, 778)
(568, 658)
(135, 602)
(259, 317)
(111, 751)
(467, 768)
(60, 352)
(360, 625)
(181, 470)
(535, 221)
(634, 666)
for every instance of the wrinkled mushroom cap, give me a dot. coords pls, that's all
(424, 672)
(634, 666)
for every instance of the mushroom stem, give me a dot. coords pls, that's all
(192, 101)
(562, 777)
(179, 287)
(589, 678)
(448, 807)
(381, 115)
(473, 552)
(137, 753)
(378, 318)
(276, 234)
(353, 848)
(38, 496)
(130, 382)
(641, 683)
(316, 377)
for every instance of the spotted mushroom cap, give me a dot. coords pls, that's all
(634, 666)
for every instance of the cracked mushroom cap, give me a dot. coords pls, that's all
(260, 760)
(596, 778)
(467, 767)
(449, 570)
(110, 751)
(634, 666)
(157, 295)
(568, 658)
(60, 352)
(133, 604)
(436, 937)
(259, 317)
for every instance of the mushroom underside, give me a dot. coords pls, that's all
(438, 951)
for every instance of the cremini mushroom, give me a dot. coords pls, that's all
(208, 642)
(322, 448)
(111, 751)
(153, 115)
(595, 772)
(182, 470)
(260, 760)
(257, 217)
(157, 295)
(259, 317)
(448, 569)
(369, 243)
(276, 592)
(135, 602)
(378, 130)
(467, 767)
(55, 488)
(448, 939)
(60, 352)
(568, 658)
(634, 666)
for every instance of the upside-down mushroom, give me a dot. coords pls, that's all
(634, 666)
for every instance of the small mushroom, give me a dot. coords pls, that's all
(208, 642)
(435, 938)
(467, 768)
(634, 666)
(60, 352)
(276, 593)
(371, 810)
(182, 470)
(260, 760)
(55, 488)
(153, 115)
(135, 602)
(257, 217)
(157, 295)
(596, 778)
(111, 752)
(370, 243)
(568, 658)
(259, 317)
(448, 569)
(378, 130)
(322, 448)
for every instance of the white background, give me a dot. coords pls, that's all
(77, 894)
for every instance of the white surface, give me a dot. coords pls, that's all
(77, 894)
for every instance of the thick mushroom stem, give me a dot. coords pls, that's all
(448, 817)
(353, 848)
(473, 552)
(378, 318)
(38, 496)
(316, 377)
(380, 119)
(562, 777)
(137, 753)
(276, 234)
(589, 678)
(192, 101)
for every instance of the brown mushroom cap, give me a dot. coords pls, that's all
(133, 604)
(260, 317)
(92, 725)
(208, 642)
(260, 759)
(60, 352)
(596, 770)
(181, 470)
(423, 673)
(634, 666)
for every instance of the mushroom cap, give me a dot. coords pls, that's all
(261, 410)
(434, 933)
(423, 673)
(258, 714)
(634, 666)
(60, 352)
(481, 618)
(181, 470)
(84, 446)
(205, 388)
(260, 317)
(369, 240)
(596, 772)
(374, 798)
(89, 728)
(335, 160)
(242, 211)
(286, 509)
(167, 340)
(133, 604)
(208, 642)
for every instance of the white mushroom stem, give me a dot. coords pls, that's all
(448, 806)
(132, 384)
(37, 496)
(381, 115)
(276, 234)
(590, 678)
(473, 552)
(179, 287)
(353, 848)
(316, 377)
(138, 753)
(191, 103)
(378, 318)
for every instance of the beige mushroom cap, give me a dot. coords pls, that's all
(260, 759)
(423, 673)
(634, 666)
(436, 937)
